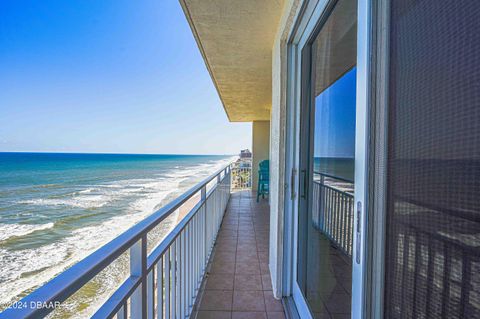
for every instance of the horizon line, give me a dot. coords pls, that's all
(111, 153)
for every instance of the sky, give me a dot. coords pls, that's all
(110, 76)
(334, 126)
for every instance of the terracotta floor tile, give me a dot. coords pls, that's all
(225, 247)
(227, 233)
(227, 241)
(263, 257)
(275, 315)
(271, 303)
(248, 246)
(247, 236)
(321, 315)
(247, 240)
(230, 227)
(248, 301)
(224, 256)
(248, 255)
(266, 282)
(219, 267)
(248, 282)
(217, 300)
(265, 270)
(214, 315)
(243, 268)
(262, 247)
(249, 315)
(219, 282)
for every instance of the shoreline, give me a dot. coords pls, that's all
(187, 207)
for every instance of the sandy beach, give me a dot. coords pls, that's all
(187, 207)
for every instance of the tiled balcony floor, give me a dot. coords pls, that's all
(238, 282)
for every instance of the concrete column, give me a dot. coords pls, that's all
(260, 147)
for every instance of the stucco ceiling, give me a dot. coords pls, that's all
(236, 39)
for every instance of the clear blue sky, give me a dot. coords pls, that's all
(107, 76)
(335, 118)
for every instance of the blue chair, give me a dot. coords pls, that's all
(263, 179)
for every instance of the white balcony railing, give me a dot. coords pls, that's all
(163, 283)
(332, 210)
(242, 175)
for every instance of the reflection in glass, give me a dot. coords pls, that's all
(325, 234)
(433, 225)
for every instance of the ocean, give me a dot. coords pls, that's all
(343, 167)
(55, 209)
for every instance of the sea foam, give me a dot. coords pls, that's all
(23, 270)
(8, 231)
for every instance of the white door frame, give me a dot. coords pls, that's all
(361, 158)
(310, 15)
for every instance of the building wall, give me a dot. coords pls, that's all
(277, 143)
(260, 147)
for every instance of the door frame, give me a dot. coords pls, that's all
(378, 149)
(311, 14)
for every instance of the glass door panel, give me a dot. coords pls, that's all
(325, 225)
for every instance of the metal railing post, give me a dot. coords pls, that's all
(205, 225)
(150, 294)
(167, 282)
(160, 289)
(122, 313)
(173, 282)
(138, 268)
(177, 276)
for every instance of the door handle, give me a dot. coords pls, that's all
(359, 233)
(304, 188)
(292, 184)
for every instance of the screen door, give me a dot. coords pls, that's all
(432, 262)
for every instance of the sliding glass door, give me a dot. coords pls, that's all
(327, 165)
(413, 148)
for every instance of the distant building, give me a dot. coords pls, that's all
(245, 154)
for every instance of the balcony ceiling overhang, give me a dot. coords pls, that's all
(236, 40)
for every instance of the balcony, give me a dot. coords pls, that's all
(238, 281)
(213, 264)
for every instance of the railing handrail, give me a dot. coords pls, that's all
(335, 189)
(72, 279)
(334, 177)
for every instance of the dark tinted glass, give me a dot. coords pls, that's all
(433, 227)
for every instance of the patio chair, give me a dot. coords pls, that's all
(263, 179)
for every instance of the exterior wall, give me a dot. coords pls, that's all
(277, 144)
(260, 147)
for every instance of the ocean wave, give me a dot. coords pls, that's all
(23, 270)
(92, 197)
(27, 268)
(8, 231)
(49, 186)
(84, 201)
